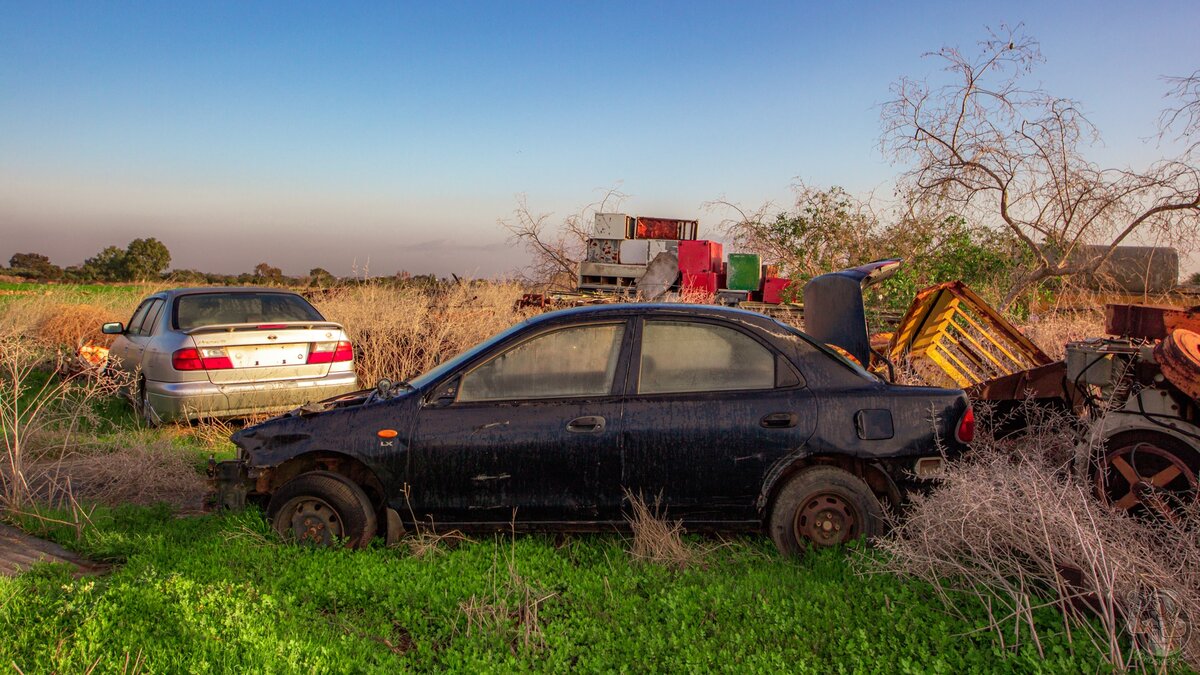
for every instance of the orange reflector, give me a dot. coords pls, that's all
(387, 433)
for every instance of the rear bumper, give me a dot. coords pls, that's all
(197, 400)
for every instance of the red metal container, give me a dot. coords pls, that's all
(700, 256)
(773, 290)
(708, 282)
(663, 228)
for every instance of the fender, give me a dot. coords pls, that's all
(1122, 421)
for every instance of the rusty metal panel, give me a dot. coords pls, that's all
(664, 228)
(1149, 322)
(1179, 357)
(604, 250)
(950, 334)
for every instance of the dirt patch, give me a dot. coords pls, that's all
(20, 551)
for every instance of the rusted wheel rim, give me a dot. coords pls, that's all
(826, 519)
(1179, 357)
(1146, 476)
(313, 521)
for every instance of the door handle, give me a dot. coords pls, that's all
(586, 424)
(780, 420)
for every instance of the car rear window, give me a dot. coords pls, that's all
(208, 309)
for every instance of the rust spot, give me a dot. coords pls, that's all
(1179, 357)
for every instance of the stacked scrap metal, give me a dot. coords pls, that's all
(623, 246)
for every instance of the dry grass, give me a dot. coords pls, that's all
(655, 538)
(1011, 527)
(57, 318)
(72, 326)
(132, 469)
(512, 609)
(35, 419)
(1052, 331)
(400, 333)
(513, 605)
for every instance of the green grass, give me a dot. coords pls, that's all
(219, 593)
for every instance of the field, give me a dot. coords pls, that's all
(202, 592)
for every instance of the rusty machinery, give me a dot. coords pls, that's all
(1136, 393)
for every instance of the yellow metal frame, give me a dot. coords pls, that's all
(951, 327)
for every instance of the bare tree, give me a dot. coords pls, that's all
(1183, 119)
(996, 151)
(556, 249)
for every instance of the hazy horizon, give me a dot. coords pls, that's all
(393, 138)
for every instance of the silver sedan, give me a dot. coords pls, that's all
(228, 352)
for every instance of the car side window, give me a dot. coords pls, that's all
(151, 319)
(579, 361)
(139, 315)
(680, 356)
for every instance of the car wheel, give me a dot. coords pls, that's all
(143, 407)
(321, 508)
(823, 506)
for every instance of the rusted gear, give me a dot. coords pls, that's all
(314, 522)
(826, 519)
(1141, 474)
(1179, 357)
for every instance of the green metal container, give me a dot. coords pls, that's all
(744, 272)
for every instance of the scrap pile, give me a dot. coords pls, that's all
(654, 255)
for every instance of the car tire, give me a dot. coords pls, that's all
(322, 508)
(823, 506)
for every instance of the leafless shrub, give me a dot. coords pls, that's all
(129, 470)
(696, 296)
(1014, 531)
(32, 412)
(74, 325)
(655, 538)
(425, 540)
(556, 249)
(1053, 330)
(399, 333)
(512, 607)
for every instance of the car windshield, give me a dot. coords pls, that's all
(450, 364)
(209, 309)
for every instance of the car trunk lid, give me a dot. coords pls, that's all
(265, 352)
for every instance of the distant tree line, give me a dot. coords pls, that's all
(141, 260)
(148, 260)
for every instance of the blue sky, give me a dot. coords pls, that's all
(395, 136)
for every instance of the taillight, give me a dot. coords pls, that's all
(966, 427)
(330, 352)
(206, 358)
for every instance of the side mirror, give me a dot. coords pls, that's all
(114, 328)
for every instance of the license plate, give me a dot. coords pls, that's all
(258, 356)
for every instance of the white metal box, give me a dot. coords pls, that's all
(613, 226)
(634, 252)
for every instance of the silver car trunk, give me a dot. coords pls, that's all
(262, 353)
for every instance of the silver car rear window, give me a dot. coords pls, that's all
(208, 309)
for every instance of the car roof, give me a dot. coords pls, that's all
(197, 290)
(658, 308)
